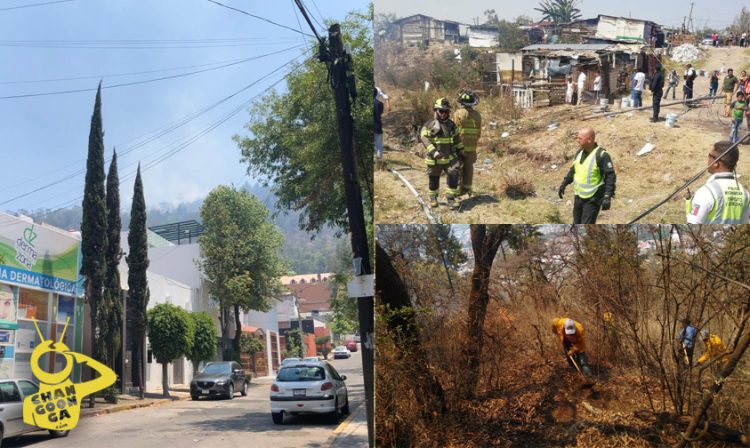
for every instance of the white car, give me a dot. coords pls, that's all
(12, 394)
(309, 388)
(288, 361)
(341, 352)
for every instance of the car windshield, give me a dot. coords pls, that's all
(301, 374)
(213, 369)
(340, 349)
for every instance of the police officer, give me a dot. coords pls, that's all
(593, 178)
(469, 123)
(722, 199)
(444, 151)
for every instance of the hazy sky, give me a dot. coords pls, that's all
(45, 137)
(711, 13)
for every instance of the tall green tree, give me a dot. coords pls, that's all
(111, 310)
(94, 227)
(239, 248)
(138, 292)
(171, 333)
(559, 11)
(293, 140)
(204, 343)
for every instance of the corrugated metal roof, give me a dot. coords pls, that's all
(571, 47)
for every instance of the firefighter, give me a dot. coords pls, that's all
(444, 152)
(572, 336)
(714, 348)
(469, 123)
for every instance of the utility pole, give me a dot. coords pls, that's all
(342, 81)
(690, 19)
(341, 74)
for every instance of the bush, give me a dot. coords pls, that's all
(516, 187)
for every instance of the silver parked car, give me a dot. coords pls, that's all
(313, 387)
(12, 394)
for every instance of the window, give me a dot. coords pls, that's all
(9, 392)
(301, 374)
(28, 388)
(33, 304)
(65, 309)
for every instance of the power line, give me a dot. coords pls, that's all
(138, 46)
(321, 15)
(258, 17)
(151, 136)
(187, 141)
(145, 81)
(35, 4)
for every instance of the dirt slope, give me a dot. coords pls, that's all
(542, 157)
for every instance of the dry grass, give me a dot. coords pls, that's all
(517, 187)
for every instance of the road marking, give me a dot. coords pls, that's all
(342, 426)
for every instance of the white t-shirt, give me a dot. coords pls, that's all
(581, 80)
(703, 201)
(598, 83)
(640, 80)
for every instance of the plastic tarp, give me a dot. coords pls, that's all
(619, 28)
(554, 68)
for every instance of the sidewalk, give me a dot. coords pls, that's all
(352, 432)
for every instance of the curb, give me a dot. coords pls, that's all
(342, 427)
(129, 406)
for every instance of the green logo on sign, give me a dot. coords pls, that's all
(29, 235)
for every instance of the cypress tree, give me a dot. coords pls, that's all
(111, 310)
(138, 293)
(94, 225)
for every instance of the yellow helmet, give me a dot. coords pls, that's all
(442, 104)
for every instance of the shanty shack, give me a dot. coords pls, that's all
(424, 30)
(548, 65)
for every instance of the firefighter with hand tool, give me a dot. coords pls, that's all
(572, 337)
(445, 152)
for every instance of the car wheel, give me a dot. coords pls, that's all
(194, 397)
(345, 409)
(244, 389)
(278, 418)
(230, 394)
(334, 416)
(56, 434)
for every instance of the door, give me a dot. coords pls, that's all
(27, 388)
(11, 408)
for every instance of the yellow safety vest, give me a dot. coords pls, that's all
(587, 178)
(731, 200)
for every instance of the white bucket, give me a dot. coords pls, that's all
(625, 102)
(671, 120)
(604, 102)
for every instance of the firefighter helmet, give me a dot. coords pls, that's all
(468, 98)
(442, 104)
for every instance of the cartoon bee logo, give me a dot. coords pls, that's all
(57, 404)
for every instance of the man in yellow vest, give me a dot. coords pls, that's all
(572, 337)
(714, 348)
(722, 199)
(469, 123)
(593, 178)
(444, 150)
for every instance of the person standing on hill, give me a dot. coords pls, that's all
(657, 85)
(597, 85)
(444, 152)
(686, 339)
(728, 87)
(690, 76)
(573, 339)
(722, 199)
(593, 178)
(639, 83)
(469, 123)
(581, 86)
(674, 78)
(713, 85)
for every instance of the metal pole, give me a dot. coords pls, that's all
(342, 83)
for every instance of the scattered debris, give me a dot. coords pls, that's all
(505, 135)
(647, 148)
(493, 125)
(686, 53)
(553, 126)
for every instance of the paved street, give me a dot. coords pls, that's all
(241, 422)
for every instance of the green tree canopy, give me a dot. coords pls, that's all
(204, 343)
(293, 142)
(240, 249)
(171, 333)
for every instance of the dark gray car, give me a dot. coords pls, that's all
(219, 378)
